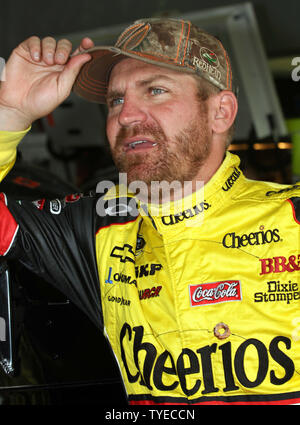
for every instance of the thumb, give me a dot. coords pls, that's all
(68, 75)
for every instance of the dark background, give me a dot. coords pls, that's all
(278, 20)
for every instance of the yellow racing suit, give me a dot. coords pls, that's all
(200, 300)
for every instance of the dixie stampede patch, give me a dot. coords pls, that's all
(215, 292)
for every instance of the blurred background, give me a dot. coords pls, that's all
(52, 354)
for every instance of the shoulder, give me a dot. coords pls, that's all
(271, 196)
(262, 191)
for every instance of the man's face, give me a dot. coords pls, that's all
(157, 128)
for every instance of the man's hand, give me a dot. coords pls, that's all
(39, 76)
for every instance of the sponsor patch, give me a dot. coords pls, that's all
(280, 264)
(124, 253)
(39, 203)
(73, 197)
(55, 206)
(119, 300)
(149, 292)
(232, 240)
(215, 292)
(206, 66)
(209, 57)
(186, 214)
(276, 291)
(24, 181)
(235, 366)
(119, 208)
(119, 277)
(231, 180)
(147, 269)
(284, 190)
(140, 243)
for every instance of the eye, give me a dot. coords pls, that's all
(156, 90)
(115, 101)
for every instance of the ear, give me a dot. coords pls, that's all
(225, 108)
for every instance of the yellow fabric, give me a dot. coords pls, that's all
(229, 255)
(9, 141)
(237, 244)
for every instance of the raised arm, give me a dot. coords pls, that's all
(39, 76)
(54, 239)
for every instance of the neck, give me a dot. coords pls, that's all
(162, 192)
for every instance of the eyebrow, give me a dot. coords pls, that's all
(154, 78)
(113, 94)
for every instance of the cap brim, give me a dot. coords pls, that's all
(91, 82)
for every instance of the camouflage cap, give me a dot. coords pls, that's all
(168, 42)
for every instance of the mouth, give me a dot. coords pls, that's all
(139, 144)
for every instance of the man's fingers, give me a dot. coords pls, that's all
(56, 52)
(71, 70)
(48, 50)
(63, 50)
(52, 52)
(33, 44)
(86, 43)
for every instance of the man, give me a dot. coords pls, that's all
(200, 303)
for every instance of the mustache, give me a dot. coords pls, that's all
(150, 130)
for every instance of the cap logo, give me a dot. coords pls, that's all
(209, 57)
(207, 61)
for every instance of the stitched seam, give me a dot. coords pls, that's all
(123, 35)
(84, 85)
(92, 81)
(164, 58)
(186, 43)
(85, 77)
(151, 55)
(182, 27)
(134, 35)
(146, 29)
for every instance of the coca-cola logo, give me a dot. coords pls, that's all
(215, 292)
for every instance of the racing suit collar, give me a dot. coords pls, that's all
(190, 211)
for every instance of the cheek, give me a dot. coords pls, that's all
(172, 121)
(167, 117)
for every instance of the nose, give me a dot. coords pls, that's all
(132, 112)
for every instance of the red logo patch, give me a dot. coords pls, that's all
(280, 264)
(39, 203)
(216, 292)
